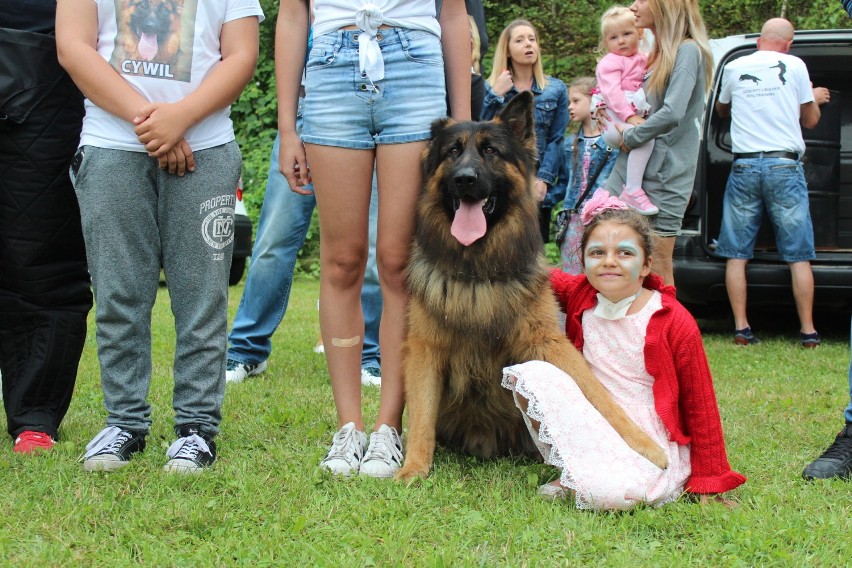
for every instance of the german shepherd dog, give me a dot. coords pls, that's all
(151, 29)
(481, 297)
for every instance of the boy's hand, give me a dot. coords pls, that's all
(160, 126)
(179, 159)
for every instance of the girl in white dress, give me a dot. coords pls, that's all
(646, 349)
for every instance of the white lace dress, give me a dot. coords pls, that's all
(595, 461)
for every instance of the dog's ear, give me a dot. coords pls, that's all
(440, 124)
(518, 116)
(431, 156)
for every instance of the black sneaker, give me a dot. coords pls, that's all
(745, 337)
(112, 449)
(836, 461)
(192, 451)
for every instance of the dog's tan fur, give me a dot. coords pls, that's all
(476, 309)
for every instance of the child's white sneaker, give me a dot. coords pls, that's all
(347, 449)
(384, 456)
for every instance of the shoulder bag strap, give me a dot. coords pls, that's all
(591, 182)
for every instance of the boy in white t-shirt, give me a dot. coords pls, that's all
(155, 175)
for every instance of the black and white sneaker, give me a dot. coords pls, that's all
(384, 454)
(236, 372)
(192, 451)
(347, 449)
(112, 449)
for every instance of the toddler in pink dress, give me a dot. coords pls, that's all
(620, 74)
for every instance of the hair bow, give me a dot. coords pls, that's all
(599, 202)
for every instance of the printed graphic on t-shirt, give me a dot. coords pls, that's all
(217, 226)
(767, 89)
(154, 38)
(782, 69)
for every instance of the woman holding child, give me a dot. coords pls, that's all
(679, 70)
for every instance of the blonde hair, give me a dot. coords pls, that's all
(475, 45)
(676, 21)
(612, 16)
(501, 55)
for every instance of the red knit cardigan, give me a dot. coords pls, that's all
(683, 387)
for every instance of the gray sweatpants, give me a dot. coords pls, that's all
(137, 218)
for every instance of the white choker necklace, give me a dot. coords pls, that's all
(610, 310)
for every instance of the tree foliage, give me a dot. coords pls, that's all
(570, 30)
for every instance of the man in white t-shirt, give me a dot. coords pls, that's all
(768, 95)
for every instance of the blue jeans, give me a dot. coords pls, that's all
(778, 186)
(371, 293)
(348, 110)
(284, 221)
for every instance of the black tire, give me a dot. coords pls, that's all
(238, 267)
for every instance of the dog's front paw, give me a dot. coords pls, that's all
(410, 471)
(657, 456)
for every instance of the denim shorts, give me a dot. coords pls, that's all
(344, 108)
(778, 186)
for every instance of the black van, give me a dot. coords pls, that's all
(699, 272)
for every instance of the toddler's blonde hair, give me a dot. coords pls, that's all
(613, 16)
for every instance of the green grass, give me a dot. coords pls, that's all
(265, 503)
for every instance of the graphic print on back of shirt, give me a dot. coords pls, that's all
(155, 38)
(771, 86)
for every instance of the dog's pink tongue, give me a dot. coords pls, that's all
(148, 46)
(469, 222)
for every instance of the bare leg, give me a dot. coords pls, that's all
(662, 264)
(398, 170)
(735, 281)
(803, 292)
(342, 182)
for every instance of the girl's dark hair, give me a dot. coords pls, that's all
(585, 86)
(628, 217)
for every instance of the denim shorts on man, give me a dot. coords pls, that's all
(344, 108)
(778, 186)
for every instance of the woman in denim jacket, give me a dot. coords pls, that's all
(517, 67)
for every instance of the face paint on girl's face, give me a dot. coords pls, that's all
(615, 261)
(631, 257)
